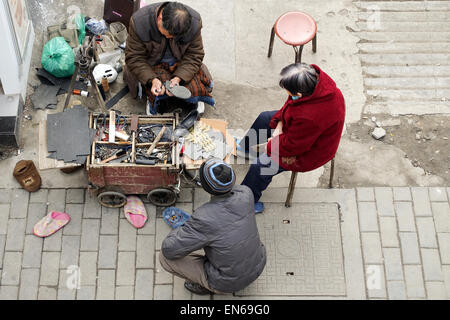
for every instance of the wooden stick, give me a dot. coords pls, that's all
(112, 126)
(152, 147)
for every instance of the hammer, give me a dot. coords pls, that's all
(158, 137)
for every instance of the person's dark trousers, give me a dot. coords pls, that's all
(260, 175)
(259, 132)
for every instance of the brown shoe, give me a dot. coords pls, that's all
(197, 289)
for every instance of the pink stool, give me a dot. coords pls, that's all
(296, 29)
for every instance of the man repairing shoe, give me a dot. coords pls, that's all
(164, 50)
(226, 229)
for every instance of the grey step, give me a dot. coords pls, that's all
(405, 59)
(431, 16)
(425, 37)
(403, 5)
(407, 71)
(410, 26)
(412, 83)
(403, 47)
(411, 94)
(410, 107)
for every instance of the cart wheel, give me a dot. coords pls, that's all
(162, 197)
(112, 199)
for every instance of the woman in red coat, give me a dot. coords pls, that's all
(303, 135)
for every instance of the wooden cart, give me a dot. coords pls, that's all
(112, 182)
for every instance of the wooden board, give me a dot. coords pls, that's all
(220, 125)
(44, 162)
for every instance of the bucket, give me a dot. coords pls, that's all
(27, 175)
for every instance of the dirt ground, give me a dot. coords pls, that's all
(423, 139)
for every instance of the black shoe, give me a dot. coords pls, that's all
(189, 121)
(197, 289)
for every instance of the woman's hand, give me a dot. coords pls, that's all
(278, 130)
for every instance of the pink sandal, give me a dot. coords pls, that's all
(50, 224)
(135, 212)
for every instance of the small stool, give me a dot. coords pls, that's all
(291, 189)
(296, 29)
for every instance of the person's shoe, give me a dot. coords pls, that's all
(259, 207)
(197, 289)
(240, 152)
(189, 121)
(201, 108)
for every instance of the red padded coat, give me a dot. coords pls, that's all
(312, 127)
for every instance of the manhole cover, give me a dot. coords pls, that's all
(304, 252)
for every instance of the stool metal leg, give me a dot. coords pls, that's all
(330, 185)
(291, 189)
(298, 54)
(272, 37)
(314, 43)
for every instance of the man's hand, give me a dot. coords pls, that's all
(157, 87)
(175, 82)
(288, 160)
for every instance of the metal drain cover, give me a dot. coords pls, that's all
(304, 252)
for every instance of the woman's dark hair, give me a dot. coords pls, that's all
(299, 78)
(176, 19)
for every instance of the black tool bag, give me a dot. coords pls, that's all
(120, 10)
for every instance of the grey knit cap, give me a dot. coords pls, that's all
(217, 177)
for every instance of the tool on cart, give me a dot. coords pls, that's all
(100, 123)
(133, 127)
(112, 126)
(152, 147)
(117, 155)
(120, 129)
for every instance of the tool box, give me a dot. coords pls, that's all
(117, 167)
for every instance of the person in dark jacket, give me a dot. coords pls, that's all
(226, 229)
(303, 135)
(165, 44)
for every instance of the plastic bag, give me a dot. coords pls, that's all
(81, 26)
(96, 27)
(175, 217)
(58, 58)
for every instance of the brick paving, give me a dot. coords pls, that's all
(403, 235)
(408, 252)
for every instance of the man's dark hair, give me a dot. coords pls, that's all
(176, 19)
(299, 78)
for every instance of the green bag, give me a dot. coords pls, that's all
(81, 26)
(58, 58)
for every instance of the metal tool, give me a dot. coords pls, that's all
(85, 55)
(161, 133)
(100, 123)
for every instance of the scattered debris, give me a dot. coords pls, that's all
(28, 117)
(429, 136)
(378, 133)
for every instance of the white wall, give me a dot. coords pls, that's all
(13, 75)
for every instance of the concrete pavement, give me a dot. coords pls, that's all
(395, 245)
(394, 218)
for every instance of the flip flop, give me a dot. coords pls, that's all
(135, 212)
(50, 224)
(178, 91)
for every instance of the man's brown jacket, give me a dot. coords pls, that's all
(146, 47)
